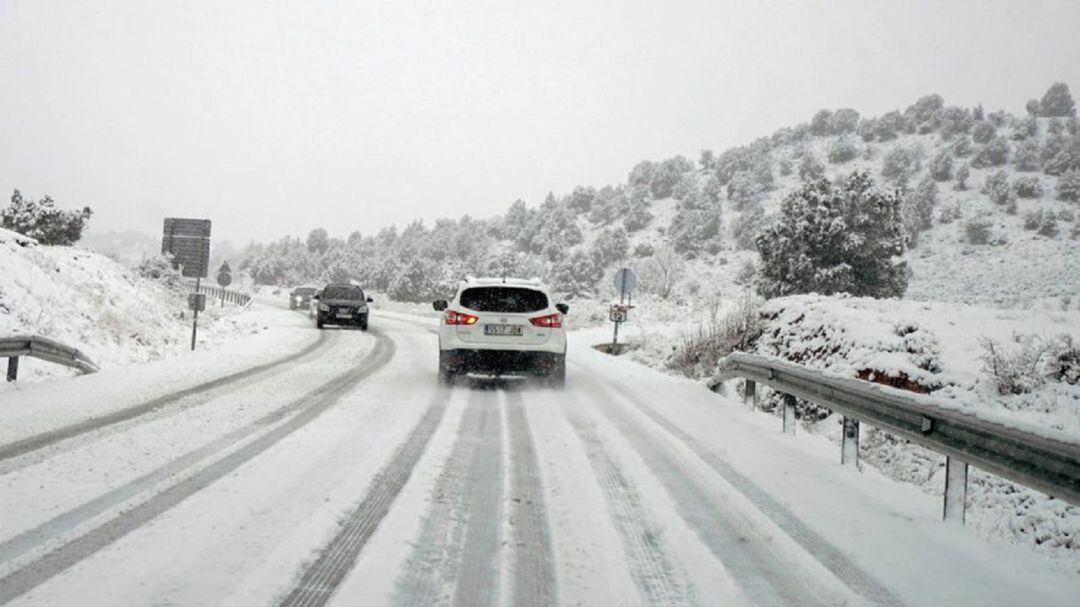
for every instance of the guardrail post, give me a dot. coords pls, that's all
(956, 475)
(13, 368)
(849, 445)
(750, 393)
(789, 414)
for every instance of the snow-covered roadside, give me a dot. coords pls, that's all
(88, 301)
(33, 407)
(940, 346)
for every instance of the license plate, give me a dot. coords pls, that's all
(511, 330)
(344, 315)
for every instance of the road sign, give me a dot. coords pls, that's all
(188, 241)
(625, 281)
(618, 313)
(197, 302)
(224, 275)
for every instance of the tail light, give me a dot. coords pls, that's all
(551, 321)
(460, 318)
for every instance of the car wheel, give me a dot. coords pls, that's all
(557, 377)
(319, 323)
(446, 374)
(363, 325)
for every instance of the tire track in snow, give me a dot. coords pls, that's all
(753, 565)
(651, 569)
(53, 437)
(275, 426)
(531, 560)
(458, 543)
(818, 547)
(320, 579)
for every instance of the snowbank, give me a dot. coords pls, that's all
(88, 301)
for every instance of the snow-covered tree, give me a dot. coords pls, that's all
(661, 272)
(841, 150)
(844, 120)
(43, 221)
(983, 132)
(1057, 101)
(919, 207)
(1027, 156)
(830, 237)
(994, 153)
(941, 166)
(900, 164)
(576, 275)
(1028, 187)
(318, 241)
(962, 175)
(1068, 186)
(810, 168)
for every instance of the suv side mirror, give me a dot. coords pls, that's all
(317, 296)
(564, 308)
(370, 300)
(440, 305)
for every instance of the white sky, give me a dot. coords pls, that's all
(276, 118)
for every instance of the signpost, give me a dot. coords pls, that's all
(188, 242)
(625, 282)
(224, 279)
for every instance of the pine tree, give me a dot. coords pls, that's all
(42, 221)
(1057, 101)
(830, 237)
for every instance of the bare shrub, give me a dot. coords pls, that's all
(1017, 368)
(719, 336)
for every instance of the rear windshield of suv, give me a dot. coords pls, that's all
(503, 299)
(342, 292)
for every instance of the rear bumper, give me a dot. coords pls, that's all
(500, 362)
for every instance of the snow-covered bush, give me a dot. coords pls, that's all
(810, 168)
(748, 225)
(941, 166)
(919, 207)
(1028, 187)
(841, 150)
(1017, 367)
(576, 275)
(835, 236)
(900, 164)
(983, 132)
(994, 153)
(1027, 158)
(717, 337)
(977, 231)
(42, 221)
(1068, 186)
(962, 175)
(950, 214)
(1057, 101)
(997, 189)
(1064, 365)
(160, 270)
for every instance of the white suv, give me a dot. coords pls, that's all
(500, 326)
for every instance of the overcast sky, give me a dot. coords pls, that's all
(274, 118)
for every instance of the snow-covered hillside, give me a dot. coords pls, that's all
(89, 301)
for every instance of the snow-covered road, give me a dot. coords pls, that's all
(302, 467)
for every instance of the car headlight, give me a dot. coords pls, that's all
(324, 307)
(297, 298)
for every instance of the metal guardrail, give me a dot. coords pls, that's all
(224, 295)
(1041, 463)
(45, 349)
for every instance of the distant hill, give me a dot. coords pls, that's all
(990, 206)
